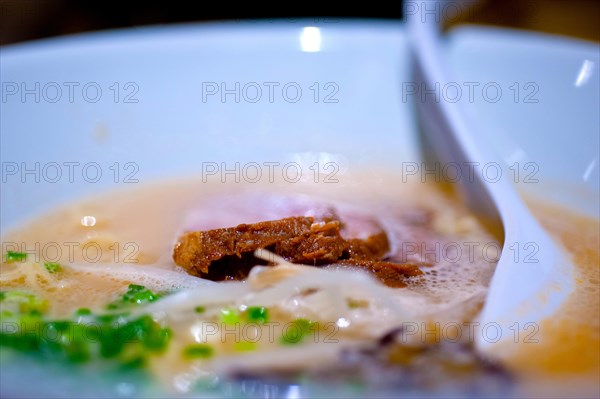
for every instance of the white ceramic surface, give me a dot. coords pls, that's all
(545, 121)
(172, 129)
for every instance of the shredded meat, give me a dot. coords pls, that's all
(227, 253)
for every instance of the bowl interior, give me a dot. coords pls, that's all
(537, 101)
(161, 102)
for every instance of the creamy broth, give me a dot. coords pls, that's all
(139, 227)
(568, 351)
(108, 242)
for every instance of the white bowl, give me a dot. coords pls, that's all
(156, 115)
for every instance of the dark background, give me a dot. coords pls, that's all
(22, 20)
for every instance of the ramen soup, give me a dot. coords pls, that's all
(366, 284)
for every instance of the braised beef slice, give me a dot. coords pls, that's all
(373, 247)
(298, 239)
(228, 253)
(323, 244)
(395, 275)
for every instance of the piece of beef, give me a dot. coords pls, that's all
(323, 244)
(373, 247)
(395, 275)
(355, 241)
(298, 239)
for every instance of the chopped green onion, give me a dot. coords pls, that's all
(134, 363)
(199, 309)
(53, 267)
(136, 294)
(296, 331)
(355, 304)
(128, 342)
(244, 346)
(139, 294)
(230, 316)
(24, 303)
(258, 314)
(83, 312)
(198, 351)
(12, 256)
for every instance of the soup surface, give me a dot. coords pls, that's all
(95, 284)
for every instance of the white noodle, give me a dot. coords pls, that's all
(153, 277)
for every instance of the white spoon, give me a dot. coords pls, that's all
(524, 289)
